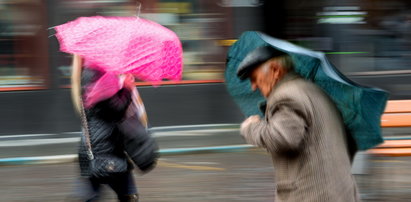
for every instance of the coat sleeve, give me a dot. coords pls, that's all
(284, 129)
(140, 146)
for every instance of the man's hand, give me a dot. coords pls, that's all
(249, 120)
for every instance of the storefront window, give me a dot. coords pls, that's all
(23, 44)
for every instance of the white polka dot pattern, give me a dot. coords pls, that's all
(121, 45)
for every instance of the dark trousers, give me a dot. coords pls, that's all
(123, 185)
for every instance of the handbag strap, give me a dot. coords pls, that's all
(86, 131)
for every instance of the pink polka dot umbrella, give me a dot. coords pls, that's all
(144, 48)
(123, 45)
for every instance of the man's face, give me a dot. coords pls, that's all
(265, 76)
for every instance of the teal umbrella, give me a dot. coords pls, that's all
(361, 107)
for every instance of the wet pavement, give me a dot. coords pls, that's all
(235, 176)
(223, 176)
(239, 176)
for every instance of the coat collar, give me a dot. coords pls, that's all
(287, 77)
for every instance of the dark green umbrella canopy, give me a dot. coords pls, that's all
(361, 107)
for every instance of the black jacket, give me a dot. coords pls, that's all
(111, 132)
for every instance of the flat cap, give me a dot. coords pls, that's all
(255, 58)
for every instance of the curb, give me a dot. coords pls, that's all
(56, 159)
(36, 160)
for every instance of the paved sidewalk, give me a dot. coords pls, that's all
(239, 176)
(244, 175)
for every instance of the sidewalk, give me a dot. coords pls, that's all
(218, 177)
(53, 148)
(210, 170)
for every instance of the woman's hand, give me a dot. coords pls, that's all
(126, 81)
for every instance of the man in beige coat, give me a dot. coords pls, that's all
(302, 129)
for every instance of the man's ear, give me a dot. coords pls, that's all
(276, 73)
(274, 69)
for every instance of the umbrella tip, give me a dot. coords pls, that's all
(138, 9)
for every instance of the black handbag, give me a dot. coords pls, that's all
(101, 166)
(107, 166)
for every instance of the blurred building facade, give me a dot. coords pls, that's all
(359, 36)
(369, 41)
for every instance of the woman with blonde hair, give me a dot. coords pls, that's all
(109, 52)
(114, 131)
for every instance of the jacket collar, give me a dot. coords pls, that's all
(287, 77)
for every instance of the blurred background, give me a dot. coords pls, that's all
(367, 40)
(367, 37)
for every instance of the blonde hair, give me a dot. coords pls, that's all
(76, 82)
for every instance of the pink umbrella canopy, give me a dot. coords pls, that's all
(122, 45)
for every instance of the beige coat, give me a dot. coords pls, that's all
(305, 135)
